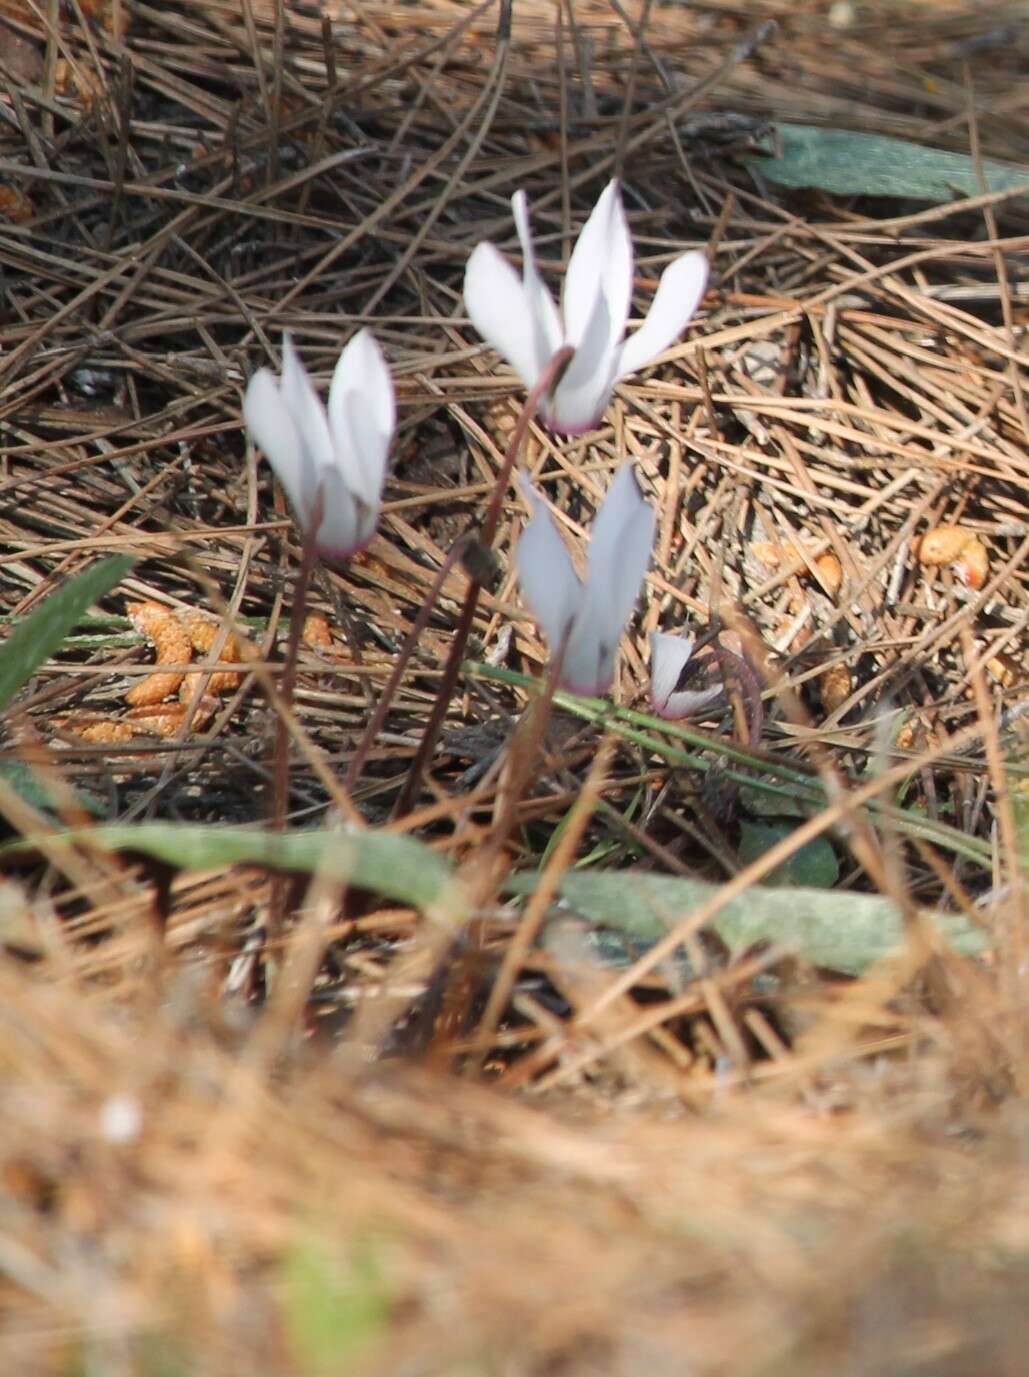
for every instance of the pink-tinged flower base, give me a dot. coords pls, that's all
(560, 428)
(590, 690)
(340, 554)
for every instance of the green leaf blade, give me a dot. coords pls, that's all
(34, 640)
(388, 863)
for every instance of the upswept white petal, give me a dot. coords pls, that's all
(579, 400)
(362, 387)
(372, 372)
(361, 416)
(669, 657)
(601, 264)
(545, 319)
(550, 586)
(303, 404)
(594, 613)
(361, 450)
(677, 297)
(620, 549)
(623, 505)
(498, 306)
(619, 552)
(271, 428)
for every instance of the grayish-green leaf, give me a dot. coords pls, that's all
(34, 640)
(840, 931)
(388, 863)
(813, 866)
(852, 164)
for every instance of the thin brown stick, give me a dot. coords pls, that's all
(487, 533)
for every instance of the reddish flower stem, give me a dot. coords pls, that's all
(403, 659)
(287, 681)
(413, 783)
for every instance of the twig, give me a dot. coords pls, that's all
(546, 382)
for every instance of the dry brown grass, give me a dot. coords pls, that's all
(207, 1165)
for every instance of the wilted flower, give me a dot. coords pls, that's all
(521, 321)
(679, 685)
(341, 454)
(587, 616)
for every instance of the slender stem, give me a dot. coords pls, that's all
(526, 740)
(525, 746)
(730, 664)
(287, 681)
(374, 726)
(413, 783)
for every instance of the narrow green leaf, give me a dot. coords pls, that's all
(847, 163)
(388, 863)
(798, 790)
(33, 789)
(838, 930)
(813, 866)
(34, 640)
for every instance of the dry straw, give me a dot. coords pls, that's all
(208, 1163)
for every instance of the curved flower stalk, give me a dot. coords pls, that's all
(680, 686)
(587, 617)
(521, 321)
(338, 455)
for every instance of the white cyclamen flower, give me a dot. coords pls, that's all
(523, 324)
(588, 616)
(679, 688)
(340, 454)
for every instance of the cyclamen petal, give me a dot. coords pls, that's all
(497, 302)
(545, 321)
(582, 392)
(678, 295)
(301, 401)
(600, 265)
(521, 321)
(588, 617)
(362, 415)
(620, 546)
(548, 580)
(588, 666)
(339, 455)
(669, 658)
(341, 529)
(271, 427)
